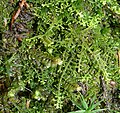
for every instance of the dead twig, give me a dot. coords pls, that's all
(118, 54)
(16, 14)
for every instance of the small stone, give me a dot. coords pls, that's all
(112, 83)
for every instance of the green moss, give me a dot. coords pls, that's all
(70, 46)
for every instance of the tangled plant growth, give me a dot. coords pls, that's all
(72, 49)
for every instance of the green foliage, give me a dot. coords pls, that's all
(73, 41)
(87, 107)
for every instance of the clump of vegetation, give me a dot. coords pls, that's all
(68, 50)
(87, 107)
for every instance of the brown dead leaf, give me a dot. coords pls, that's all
(19, 39)
(16, 14)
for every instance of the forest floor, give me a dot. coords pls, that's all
(45, 65)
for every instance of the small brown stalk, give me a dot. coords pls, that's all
(16, 14)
